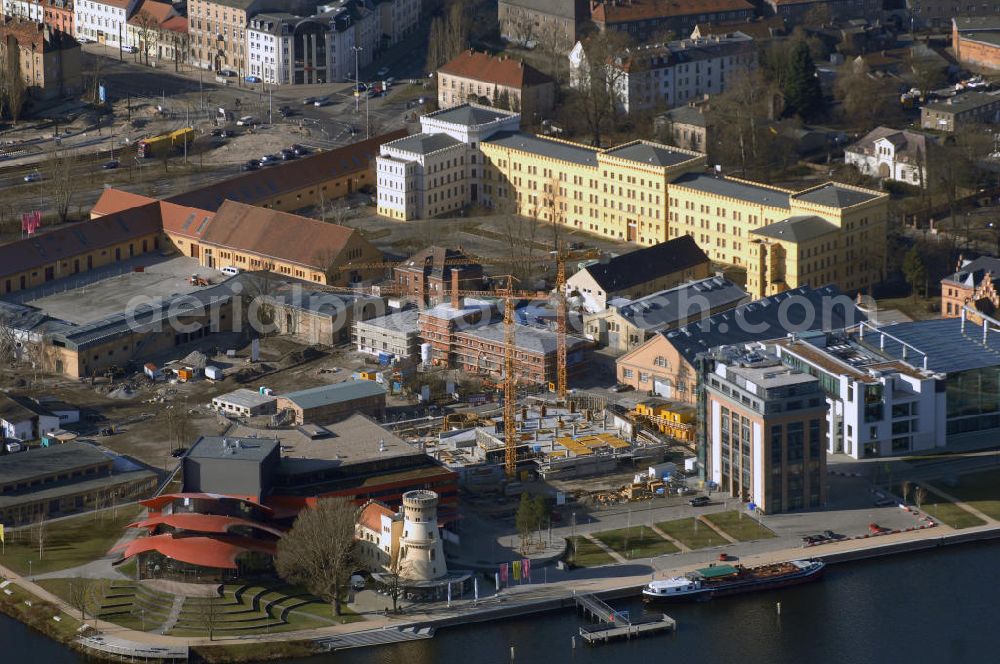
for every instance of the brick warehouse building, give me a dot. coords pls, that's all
(976, 41)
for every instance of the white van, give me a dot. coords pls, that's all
(230, 270)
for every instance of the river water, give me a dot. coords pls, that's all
(936, 607)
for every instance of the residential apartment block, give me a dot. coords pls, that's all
(49, 60)
(976, 41)
(765, 429)
(501, 81)
(103, 21)
(218, 30)
(670, 74)
(398, 19)
(648, 19)
(640, 192)
(799, 11)
(283, 49)
(556, 23)
(892, 154)
(939, 13)
(961, 111)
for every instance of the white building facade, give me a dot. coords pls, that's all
(674, 73)
(30, 10)
(440, 169)
(103, 21)
(891, 154)
(877, 406)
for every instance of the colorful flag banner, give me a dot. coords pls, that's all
(526, 568)
(517, 570)
(503, 572)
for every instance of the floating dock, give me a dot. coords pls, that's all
(616, 624)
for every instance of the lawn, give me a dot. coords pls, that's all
(585, 553)
(692, 533)
(39, 615)
(67, 542)
(942, 509)
(919, 308)
(981, 490)
(740, 526)
(636, 542)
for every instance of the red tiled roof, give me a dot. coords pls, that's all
(157, 11)
(176, 24)
(117, 200)
(217, 552)
(372, 513)
(187, 221)
(500, 70)
(278, 235)
(203, 523)
(640, 10)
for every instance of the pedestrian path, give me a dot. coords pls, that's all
(619, 558)
(673, 540)
(721, 533)
(173, 616)
(959, 503)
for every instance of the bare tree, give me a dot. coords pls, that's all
(209, 614)
(919, 496)
(319, 549)
(59, 182)
(97, 590)
(393, 580)
(79, 596)
(39, 534)
(147, 27)
(907, 486)
(597, 82)
(14, 88)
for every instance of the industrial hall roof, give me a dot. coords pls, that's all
(324, 395)
(644, 265)
(277, 235)
(255, 186)
(46, 248)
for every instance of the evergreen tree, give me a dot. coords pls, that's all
(913, 270)
(803, 96)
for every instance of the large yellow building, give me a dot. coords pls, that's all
(648, 193)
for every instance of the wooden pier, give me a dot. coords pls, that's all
(616, 624)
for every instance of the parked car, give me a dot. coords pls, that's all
(830, 535)
(308, 101)
(323, 101)
(226, 73)
(251, 165)
(217, 131)
(110, 165)
(252, 79)
(228, 133)
(288, 155)
(269, 160)
(130, 49)
(33, 177)
(299, 149)
(698, 501)
(230, 270)
(245, 121)
(179, 452)
(621, 387)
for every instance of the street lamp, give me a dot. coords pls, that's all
(357, 93)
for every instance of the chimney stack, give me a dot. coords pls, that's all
(456, 300)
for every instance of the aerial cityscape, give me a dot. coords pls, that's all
(523, 330)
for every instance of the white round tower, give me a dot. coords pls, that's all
(420, 548)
